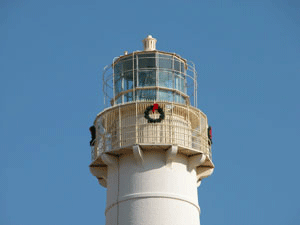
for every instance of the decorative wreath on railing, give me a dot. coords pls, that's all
(153, 108)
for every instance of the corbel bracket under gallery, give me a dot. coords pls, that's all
(138, 155)
(171, 155)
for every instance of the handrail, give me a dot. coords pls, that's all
(125, 125)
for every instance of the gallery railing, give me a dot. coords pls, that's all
(125, 125)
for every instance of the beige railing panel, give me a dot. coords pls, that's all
(124, 125)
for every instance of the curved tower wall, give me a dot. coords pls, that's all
(152, 193)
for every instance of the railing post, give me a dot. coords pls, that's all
(120, 129)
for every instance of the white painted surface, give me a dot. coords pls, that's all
(149, 43)
(152, 193)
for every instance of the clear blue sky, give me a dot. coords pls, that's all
(52, 54)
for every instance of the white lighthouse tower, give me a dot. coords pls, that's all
(151, 145)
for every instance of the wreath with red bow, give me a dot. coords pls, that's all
(153, 108)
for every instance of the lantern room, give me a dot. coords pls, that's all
(150, 75)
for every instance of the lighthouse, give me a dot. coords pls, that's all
(151, 145)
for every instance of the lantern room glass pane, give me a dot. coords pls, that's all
(165, 95)
(118, 68)
(177, 65)
(146, 95)
(128, 80)
(117, 74)
(182, 68)
(147, 78)
(128, 97)
(165, 79)
(179, 99)
(119, 100)
(179, 82)
(118, 86)
(146, 61)
(165, 61)
(127, 64)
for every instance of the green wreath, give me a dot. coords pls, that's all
(150, 120)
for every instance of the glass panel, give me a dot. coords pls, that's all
(176, 65)
(147, 78)
(118, 68)
(117, 76)
(127, 64)
(165, 61)
(128, 80)
(182, 68)
(119, 100)
(165, 95)
(118, 86)
(146, 95)
(146, 61)
(151, 55)
(165, 79)
(128, 97)
(179, 99)
(179, 82)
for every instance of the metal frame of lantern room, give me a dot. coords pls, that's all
(125, 80)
